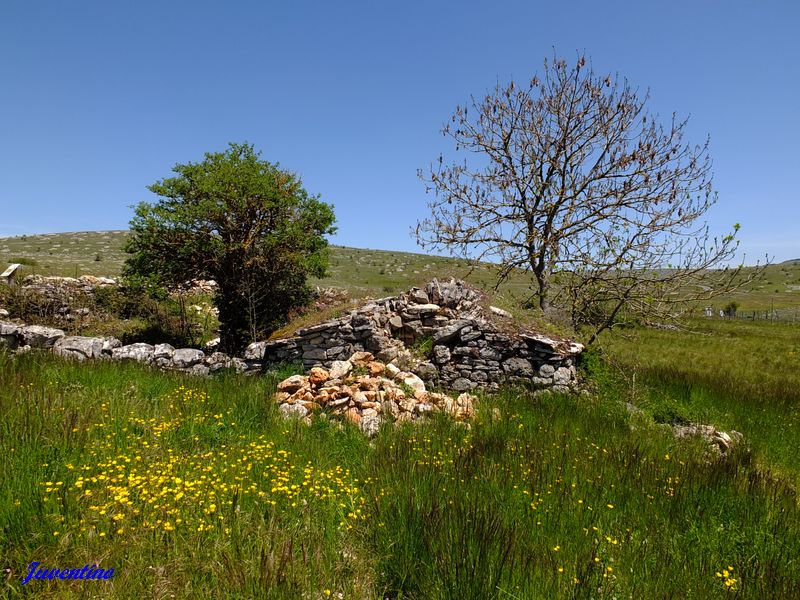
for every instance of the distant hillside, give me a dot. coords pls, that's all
(362, 272)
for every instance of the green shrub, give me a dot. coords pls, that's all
(669, 411)
(422, 346)
(24, 260)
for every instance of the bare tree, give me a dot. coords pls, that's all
(570, 175)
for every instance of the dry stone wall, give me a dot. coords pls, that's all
(23, 338)
(455, 342)
(467, 348)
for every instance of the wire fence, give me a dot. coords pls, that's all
(782, 315)
(775, 315)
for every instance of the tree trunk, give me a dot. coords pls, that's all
(542, 275)
(233, 307)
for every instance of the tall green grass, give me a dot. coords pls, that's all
(554, 497)
(736, 375)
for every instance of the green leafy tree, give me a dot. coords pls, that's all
(243, 222)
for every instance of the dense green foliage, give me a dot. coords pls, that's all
(243, 222)
(196, 488)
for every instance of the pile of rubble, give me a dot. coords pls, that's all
(366, 392)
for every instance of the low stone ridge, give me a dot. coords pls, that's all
(366, 392)
(23, 338)
(720, 443)
(467, 349)
(86, 283)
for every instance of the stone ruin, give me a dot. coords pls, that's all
(456, 343)
(468, 345)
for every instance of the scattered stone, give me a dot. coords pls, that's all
(361, 359)
(375, 368)
(318, 375)
(413, 381)
(500, 312)
(393, 370)
(293, 383)
(293, 411)
(720, 442)
(340, 369)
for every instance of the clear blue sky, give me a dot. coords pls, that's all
(100, 99)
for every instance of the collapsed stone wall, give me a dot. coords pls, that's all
(464, 345)
(54, 285)
(23, 338)
(468, 350)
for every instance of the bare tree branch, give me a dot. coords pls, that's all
(571, 175)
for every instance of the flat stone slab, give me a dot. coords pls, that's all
(184, 358)
(79, 347)
(423, 309)
(37, 336)
(139, 352)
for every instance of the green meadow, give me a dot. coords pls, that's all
(196, 488)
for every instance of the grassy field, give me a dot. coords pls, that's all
(194, 488)
(361, 272)
(736, 374)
